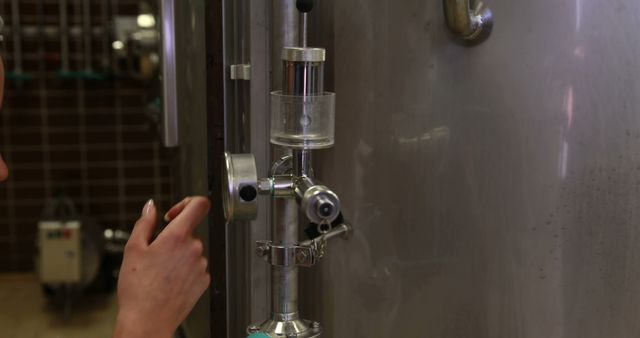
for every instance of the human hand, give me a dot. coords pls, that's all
(161, 281)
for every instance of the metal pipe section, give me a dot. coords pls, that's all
(304, 34)
(303, 71)
(286, 28)
(302, 163)
(300, 78)
(284, 280)
(284, 284)
(169, 74)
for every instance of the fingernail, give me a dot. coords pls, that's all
(148, 207)
(166, 217)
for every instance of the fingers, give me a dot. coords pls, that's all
(4, 171)
(191, 214)
(146, 225)
(176, 209)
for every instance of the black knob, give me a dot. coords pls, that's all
(304, 6)
(248, 193)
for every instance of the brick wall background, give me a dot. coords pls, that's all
(94, 140)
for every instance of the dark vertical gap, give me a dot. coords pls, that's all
(215, 126)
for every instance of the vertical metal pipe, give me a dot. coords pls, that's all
(284, 283)
(284, 227)
(171, 135)
(299, 78)
(302, 162)
(304, 33)
(302, 71)
(285, 30)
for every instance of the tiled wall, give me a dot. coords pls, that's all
(96, 141)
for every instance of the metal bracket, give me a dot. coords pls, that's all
(305, 254)
(278, 255)
(241, 72)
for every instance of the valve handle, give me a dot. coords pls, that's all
(304, 6)
(312, 230)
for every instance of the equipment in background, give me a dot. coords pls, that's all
(60, 252)
(74, 254)
(136, 47)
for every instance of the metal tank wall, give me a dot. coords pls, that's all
(495, 190)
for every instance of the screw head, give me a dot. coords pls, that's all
(261, 251)
(301, 256)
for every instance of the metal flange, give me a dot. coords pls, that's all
(281, 328)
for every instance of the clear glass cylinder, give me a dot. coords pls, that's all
(303, 122)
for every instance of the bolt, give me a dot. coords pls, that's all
(301, 256)
(262, 250)
(265, 186)
(315, 325)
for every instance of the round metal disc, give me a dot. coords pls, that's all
(299, 54)
(240, 187)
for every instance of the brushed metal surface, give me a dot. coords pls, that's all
(494, 191)
(190, 165)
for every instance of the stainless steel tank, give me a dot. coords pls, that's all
(495, 189)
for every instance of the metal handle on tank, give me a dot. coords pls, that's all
(470, 21)
(169, 74)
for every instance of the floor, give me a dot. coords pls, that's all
(25, 312)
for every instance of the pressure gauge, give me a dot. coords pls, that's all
(240, 187)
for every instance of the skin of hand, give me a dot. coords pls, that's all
(161, 280)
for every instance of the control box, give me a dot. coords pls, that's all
(60, 256)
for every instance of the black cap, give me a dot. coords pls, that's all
(304, 6)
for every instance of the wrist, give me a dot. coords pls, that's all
(132, 326)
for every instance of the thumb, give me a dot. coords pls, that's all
(146, 224)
